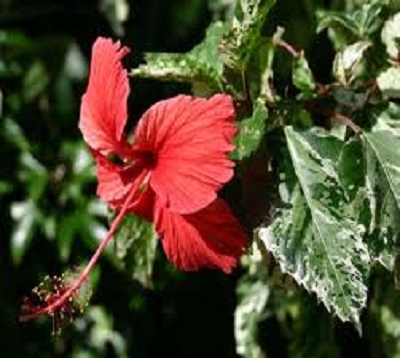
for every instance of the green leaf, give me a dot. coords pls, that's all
(315, 240)
(303, 78)
(5, 187)
(251, 132)
(136, 246)
(36, 81)
(384, 315)
(361, 23)
(14, 38)
(389, 82)
(68, 226)
(383, 180)
(202, 64)
(34, 175)
(350, 168)
(13, 133)
(265, 59)
(313, 333)
(239, 43)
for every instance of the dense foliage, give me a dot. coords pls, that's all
(316, 86)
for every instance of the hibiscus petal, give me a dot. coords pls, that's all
(191, 138)
(104, 105)
(144, 205)
(210, 238)
(111, 187)
(115, 183)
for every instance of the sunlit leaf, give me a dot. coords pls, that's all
(315, 240)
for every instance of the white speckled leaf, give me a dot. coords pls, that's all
(385, 146)
(242, 39)
(316, 241)
(201, 64)
(383, 180)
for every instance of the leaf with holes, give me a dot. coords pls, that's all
(315, 240)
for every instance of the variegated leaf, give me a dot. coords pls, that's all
(316, 241)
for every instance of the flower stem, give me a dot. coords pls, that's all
(85, 273)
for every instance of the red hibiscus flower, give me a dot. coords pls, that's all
(169, 173)
(175, 163)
